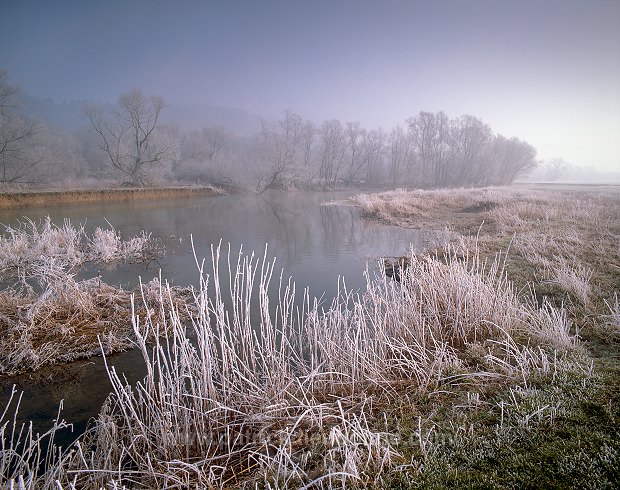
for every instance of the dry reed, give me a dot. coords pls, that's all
(47, 316)
(38, 245)
(287, 394)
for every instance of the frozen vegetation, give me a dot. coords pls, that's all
(128, 144)
(292, 397)
(46, 316)
(33, 246)
(478, 352)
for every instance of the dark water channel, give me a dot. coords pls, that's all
(312, 243)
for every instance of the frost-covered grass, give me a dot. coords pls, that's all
(47, 316)
(563, 245)
(256, 392)
(34, 245)
(564, 242)
(67, 320)
(28, 460)
(451, 377)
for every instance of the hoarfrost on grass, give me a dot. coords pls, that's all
(286, 399)
(32, 245)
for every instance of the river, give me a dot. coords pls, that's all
(313, 243)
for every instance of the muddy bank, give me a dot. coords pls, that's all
(35, 198)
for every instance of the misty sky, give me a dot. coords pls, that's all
(546, 71)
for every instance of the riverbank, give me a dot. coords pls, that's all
(492, 363)
(20, 199)
(559, 246)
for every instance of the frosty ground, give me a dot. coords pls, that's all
(491, 363)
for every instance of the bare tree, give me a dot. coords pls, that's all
(373, 155)
(429, 132)
(213, 138)
(282, 147)
(401, 155)
(466, 138)
(333, 151)
(202, 153)
(131, 138)
(18, 153)
(355, 138)
(308, 131)
(513, 158)
(7, 94)
(555, 168)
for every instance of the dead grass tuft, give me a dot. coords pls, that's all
(69, 320)
(44, 245)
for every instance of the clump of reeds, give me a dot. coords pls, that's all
(47, 316)
(31, 245)
(67, 320)
(611, 328)
(29, 460)
(108, 246)
(257, 388)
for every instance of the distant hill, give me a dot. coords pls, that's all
(67, 115)
(236, 120)
(70, 114)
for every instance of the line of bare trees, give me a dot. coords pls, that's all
(130, 144)
(432, 151)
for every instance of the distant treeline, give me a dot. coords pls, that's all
(130, 145)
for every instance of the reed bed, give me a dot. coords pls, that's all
(33, 245)
(47, 316)
(281, 391)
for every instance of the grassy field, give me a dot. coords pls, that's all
(559, 245)
(490, 363)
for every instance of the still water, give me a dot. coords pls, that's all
(312, 243)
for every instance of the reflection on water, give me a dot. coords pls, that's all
(312, 243)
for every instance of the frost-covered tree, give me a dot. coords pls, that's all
(467, 137)
(373, 156)
(555, 169)
(355, 138)
(206, 155)
(461, 152)
(19, 156)
(285, 146)
(513, 158)
(134, 142)
(400, 157)
(429, 132)
(333, 152)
